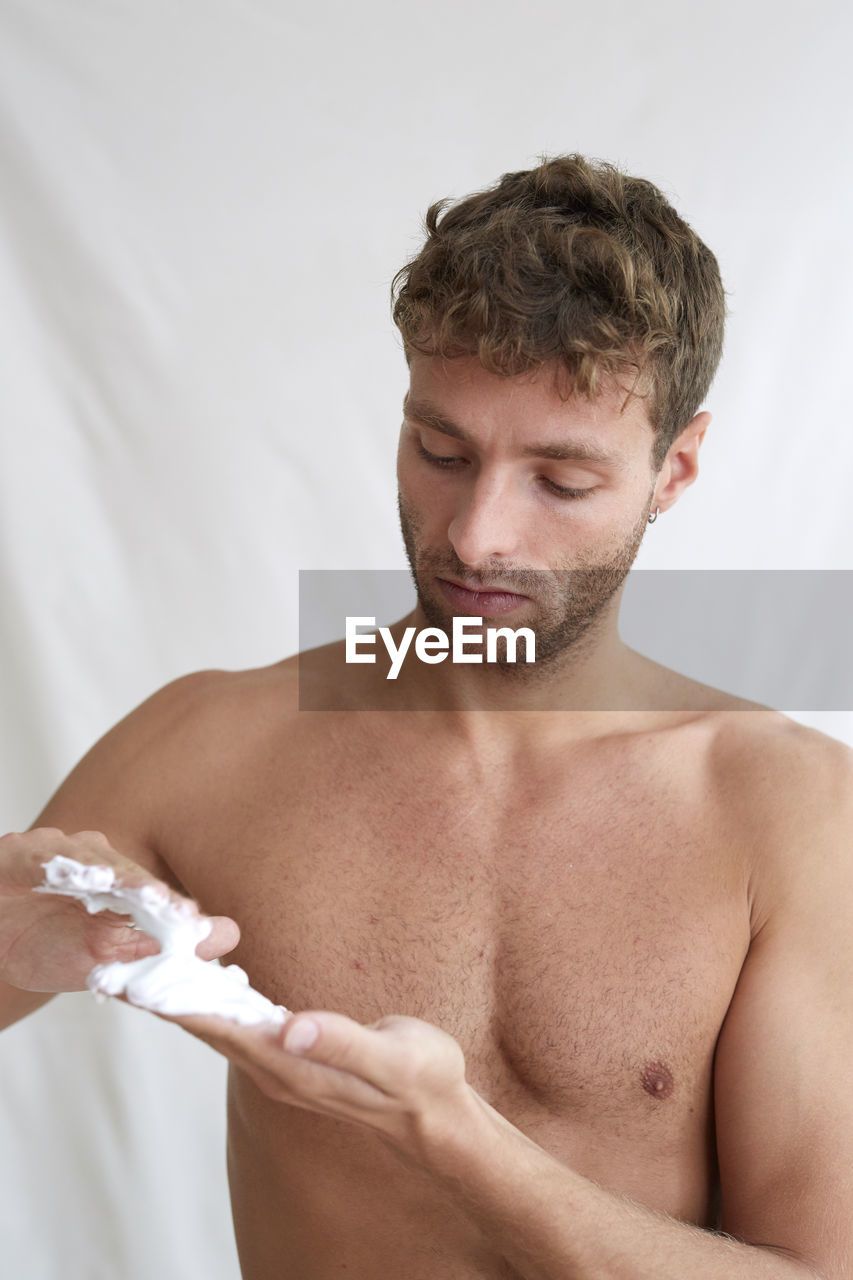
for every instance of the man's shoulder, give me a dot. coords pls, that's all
(146, 762)
(787, 790)
(755, 748)
(772, 754)
(194, 721)
(218, 692)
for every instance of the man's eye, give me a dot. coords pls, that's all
(562, 492)
(434, 458)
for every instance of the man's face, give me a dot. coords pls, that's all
(517, 505)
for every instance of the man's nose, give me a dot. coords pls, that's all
(484, 527)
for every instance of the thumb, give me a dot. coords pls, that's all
(223, 937)
(329, 1038)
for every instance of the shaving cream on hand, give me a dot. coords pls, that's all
(176, 980)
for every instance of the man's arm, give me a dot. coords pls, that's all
(113, 791)
(16, 1004)
(783, 1093)
(784, 1101)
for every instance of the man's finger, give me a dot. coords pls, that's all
(223, 937)
(333, 1040)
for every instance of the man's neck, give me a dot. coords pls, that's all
(596, 673)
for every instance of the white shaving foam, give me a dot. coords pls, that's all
(174, 981)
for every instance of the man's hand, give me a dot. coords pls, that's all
(402, 1077)
(50, 943)
(405, 1080)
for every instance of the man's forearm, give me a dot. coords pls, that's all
(16, 1004)
(551, 1223)
(405, 1079)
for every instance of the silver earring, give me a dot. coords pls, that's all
(653, 517)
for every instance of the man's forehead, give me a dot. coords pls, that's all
(560, 447)
(460, 397)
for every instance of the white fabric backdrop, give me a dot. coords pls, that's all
(202, 208)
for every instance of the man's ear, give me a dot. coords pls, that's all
(681, 464)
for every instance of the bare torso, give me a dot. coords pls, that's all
(574, 911)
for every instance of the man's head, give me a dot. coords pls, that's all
(506, 486)
(561, 331)
(578, 265)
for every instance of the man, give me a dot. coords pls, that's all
(590, 967)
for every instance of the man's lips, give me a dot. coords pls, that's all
(480, 601)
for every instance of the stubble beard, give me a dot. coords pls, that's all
(571, 602)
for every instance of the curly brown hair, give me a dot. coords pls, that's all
(575, 262)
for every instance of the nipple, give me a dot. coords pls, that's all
(657, 1079)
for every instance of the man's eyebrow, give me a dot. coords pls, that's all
(562, 451)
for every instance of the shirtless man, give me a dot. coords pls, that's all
(590, 967)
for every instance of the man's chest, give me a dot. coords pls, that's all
(579, 933)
